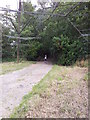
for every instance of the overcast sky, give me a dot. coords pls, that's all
(14, 3)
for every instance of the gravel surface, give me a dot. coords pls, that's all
(18, 83)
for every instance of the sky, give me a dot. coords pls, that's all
(14, 3)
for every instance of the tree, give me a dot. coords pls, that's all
(61, 31)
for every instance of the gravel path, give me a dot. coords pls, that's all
(18, 83)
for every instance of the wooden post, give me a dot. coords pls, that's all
(19, 15)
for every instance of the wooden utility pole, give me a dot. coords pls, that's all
(19, 15)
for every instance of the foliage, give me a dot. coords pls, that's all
(59, 38)
(65, 50)
(32, 52)
(7, 50)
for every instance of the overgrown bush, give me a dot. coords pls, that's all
(66, 51)
(32, 50)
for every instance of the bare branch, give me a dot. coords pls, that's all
(72, 8)
(11, 22)
(25, 25)
(76, 29)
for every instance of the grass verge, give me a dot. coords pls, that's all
(39, 89)
(13, 66)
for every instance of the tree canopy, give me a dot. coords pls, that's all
(63, 29)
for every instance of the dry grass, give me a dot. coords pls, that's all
(7, 67)
(82, 63)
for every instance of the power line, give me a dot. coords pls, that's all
(27, 23)
(42, 13)
(30, 13)
(72, 8)
(37, 13)
(8, 17)
(85, 35)
(77, 29)
(85, 30)
(22, 38)
(52, 11)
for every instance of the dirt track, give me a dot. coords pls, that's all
(18, 83)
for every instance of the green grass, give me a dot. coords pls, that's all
(13, 66)
(87, 76)
(39, 89)
(60, 78)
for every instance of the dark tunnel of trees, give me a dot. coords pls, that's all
(59, 38)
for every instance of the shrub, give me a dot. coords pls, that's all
(32, 51)
(66, 51)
